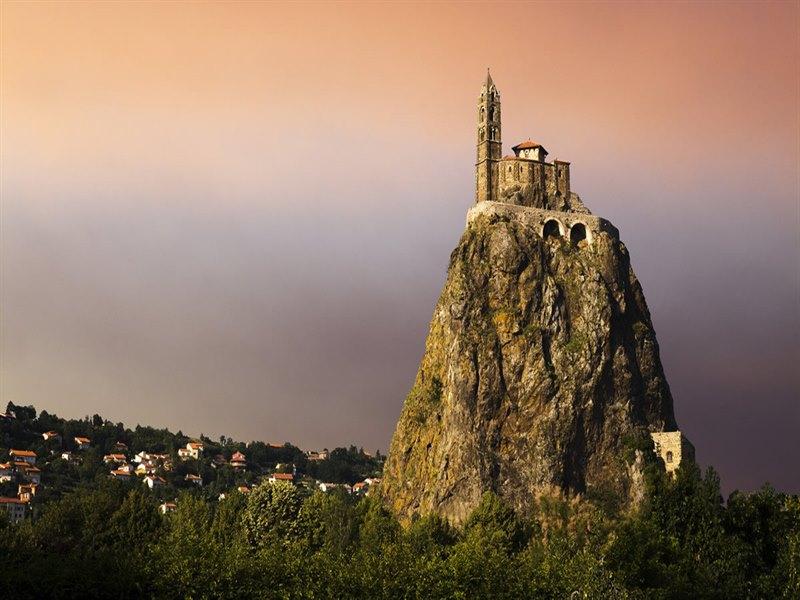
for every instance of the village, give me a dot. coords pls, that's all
(216, 470)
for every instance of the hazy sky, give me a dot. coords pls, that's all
(236, 218)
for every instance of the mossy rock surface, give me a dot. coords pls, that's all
(540, 360)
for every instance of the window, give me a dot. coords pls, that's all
(669, 456)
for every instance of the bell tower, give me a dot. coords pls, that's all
(489, 145)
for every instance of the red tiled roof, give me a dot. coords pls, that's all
(283, 476)
(22, 453)
(6, 500)
(526, 145)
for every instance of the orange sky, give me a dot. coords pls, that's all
(202, 203)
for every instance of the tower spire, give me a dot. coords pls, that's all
(489, 144)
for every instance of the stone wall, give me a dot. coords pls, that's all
(672, 447)
(538, 218)
(533, 183)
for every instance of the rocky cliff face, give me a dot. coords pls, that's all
(541, 364)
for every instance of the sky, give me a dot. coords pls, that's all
(236, 218)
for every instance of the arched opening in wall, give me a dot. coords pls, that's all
(483, 134)
(551, 229)
(493, 114)
(482, 115)
(669, 457)
(577, 234)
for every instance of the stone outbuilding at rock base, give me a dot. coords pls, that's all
(673, 448)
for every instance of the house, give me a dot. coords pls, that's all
(154, 481)
(121, 446)
(361, 487)
(8, 415)
(6, 470)
(218, 461)
(327, 487)
(243, 489)
(33, 474)
(141, 457)
(26, 491)
(121, 474)
(313, 455)
(192, 450)
(82, 443)
(145, 468)
(287, 477)
(196, 479)
(26, 456)
(238, 461)
(372, 480)
(167, 507)
(126, 468)
(15, 508)
(51, 435)
(114, 458)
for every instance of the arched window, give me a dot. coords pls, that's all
(669, 456)
(482, 134)
(551, 229)
(482, 114)
(493, 114)
(577, 233)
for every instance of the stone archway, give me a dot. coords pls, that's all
(578, 233)
(552, 228)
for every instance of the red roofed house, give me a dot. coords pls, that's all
(15, 508)
(114, 458)
(238, 460)
(167, 507)
(51, 435)
(196, 479)
(275, 477)
(33, 474)
(82, 443)
(121, 474)
(24, 456)
(5, 472)
(192, 450)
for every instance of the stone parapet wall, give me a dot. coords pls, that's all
(538, 217)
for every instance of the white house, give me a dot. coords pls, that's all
(192, 450)
(167, 507)
(327, 487)
(153, 481)
(51, 435)
(15, 508)
(5, 472)
(275, 477)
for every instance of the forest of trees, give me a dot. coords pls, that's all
(107, 539)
